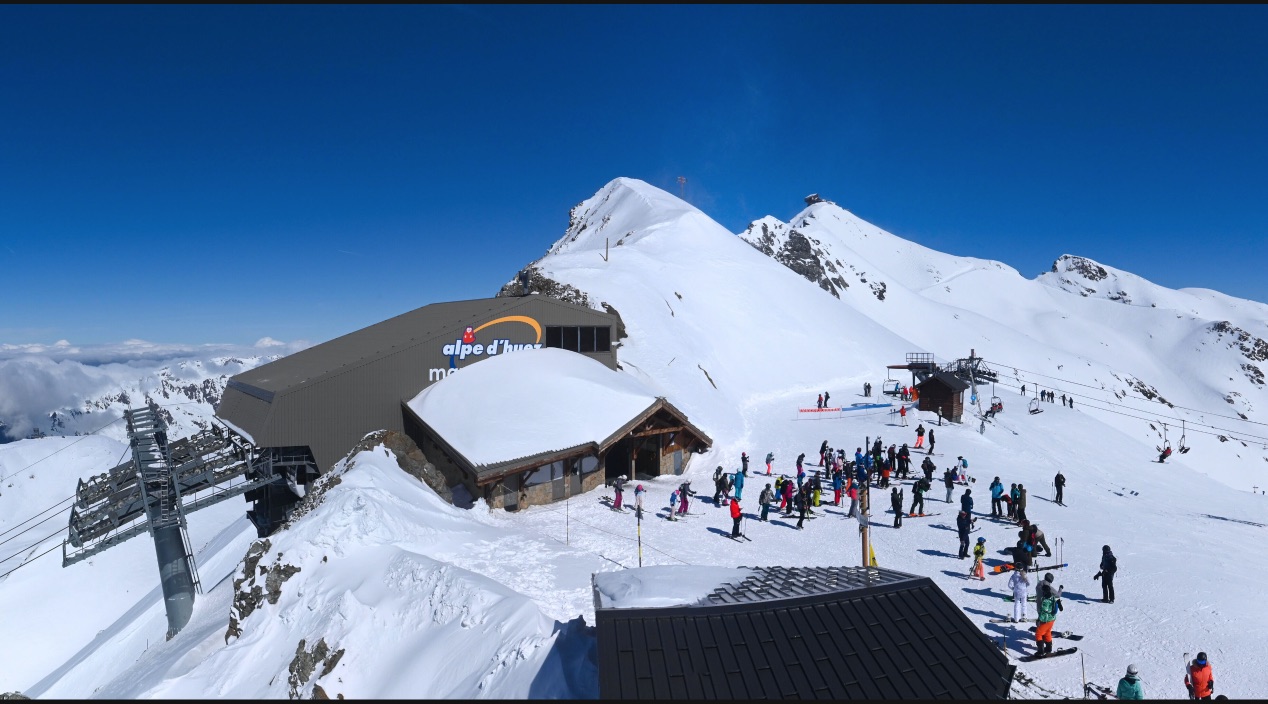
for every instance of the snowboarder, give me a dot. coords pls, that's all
(819, 403)
(963, 524)
(948, 480)
(931, 441)
(736, 515)
(738, 482)
(684, 492)
(1048, 605)
(770, 458)
(1021, 503)
(997, 494)
(1198, 679)
(902, 415)
(966, 501)
(1047, 581)
(896, 502)
(766, 499)
(1059, 483)
(1020, 584)
(1109, 566)
(918, 497)
(979, 554)
(673, 505)
(920, 435)
(744, 463)
(618, 485)
(1129, 687)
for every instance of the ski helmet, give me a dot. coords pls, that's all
(1048, 577)
(638, 488)
(1201, 658)
(1132, 671)
(1105, 548)
(981, 540)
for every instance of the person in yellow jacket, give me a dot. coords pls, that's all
(979, 554)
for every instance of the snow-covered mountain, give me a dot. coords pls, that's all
(63, 389)
(381, 589)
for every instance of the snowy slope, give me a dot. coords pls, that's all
(387, 571)
(1141, 354)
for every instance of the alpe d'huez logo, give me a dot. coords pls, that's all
(466, 346)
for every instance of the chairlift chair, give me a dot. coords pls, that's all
(1034, 406)
(1182, 449)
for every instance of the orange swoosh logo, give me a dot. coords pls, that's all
(515, 319)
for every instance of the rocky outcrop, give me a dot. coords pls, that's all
(802, 254)
(305, 663)
(543, 285)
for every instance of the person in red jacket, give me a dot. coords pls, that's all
(1199, 681)
(735, 516)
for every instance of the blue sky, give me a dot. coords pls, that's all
(220, 174)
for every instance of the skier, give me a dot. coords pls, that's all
(865, 393)
(1012, 501)
(735, 518)
(823, 453)
(1071, 402)
(931, 440)
(838, 486)
(904, 461)
(787, 504)
(927, 467)
(1109, 566)
(1021, 555)
(684, 492)
(819, 403)
(1037, 540)
(816, 490)
(619, 486)
(1198, 679)
(1166, 452)
(719, 486)
(826, 395)
(638, 500)
(902, 415)
(896, 502)
(1129, 687)
(964, 469)
(966, 501)
(739, 483)
(979, 554)
(766, 499)
(885, 474)
(918, 497)
(963, 524)
(920, 435)
(948, 480)
(1048, 605)
(770, 457)
(1021, 503)
(1023, 389)
(892, 454)
(726, 489)
(800, 459)
(744, 463)
(1059, 483)
(673, 504)
(1063, 400)
(802, 505)
(1020, 584)
(853, 495)
(997, 493)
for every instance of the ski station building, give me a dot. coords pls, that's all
(317, 404)
(701, 632)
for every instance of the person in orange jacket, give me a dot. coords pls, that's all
(735, 516)
(1199, 681)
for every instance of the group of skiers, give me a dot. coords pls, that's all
(823, 400)
(1051, 397)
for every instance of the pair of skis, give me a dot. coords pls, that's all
(1009, 567)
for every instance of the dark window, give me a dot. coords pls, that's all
(554, 336)
(570, 339)
(603, 339)
(587, 339)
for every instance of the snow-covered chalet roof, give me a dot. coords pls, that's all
(529, 402)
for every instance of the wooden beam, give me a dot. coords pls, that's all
(657, 431)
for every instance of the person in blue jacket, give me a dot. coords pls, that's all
(966, 501)
(997, 496)
(739, 484)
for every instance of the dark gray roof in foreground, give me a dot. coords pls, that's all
(839, 633)
(948, 379)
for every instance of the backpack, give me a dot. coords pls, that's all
(1047, 610)
(673, 499)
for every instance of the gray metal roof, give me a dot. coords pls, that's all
(370, 343)
(948, 380)
(835, 633)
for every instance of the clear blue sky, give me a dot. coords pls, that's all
(218, 174)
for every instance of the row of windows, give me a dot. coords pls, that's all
(586, 338)
(555, 470)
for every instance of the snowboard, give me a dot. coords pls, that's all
(1068, 635)
(1053, 654)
